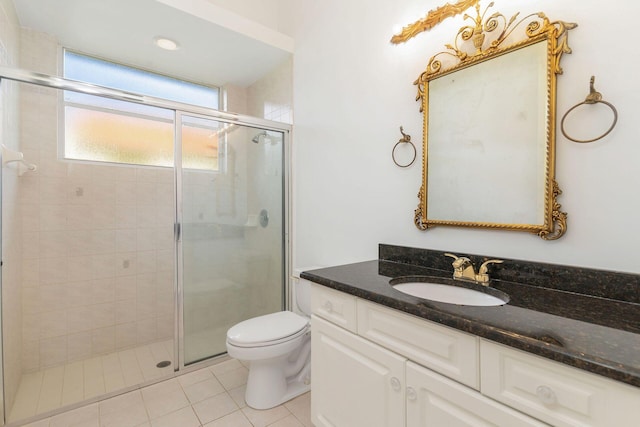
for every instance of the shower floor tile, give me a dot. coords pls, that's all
(63, 385)
(165, 405)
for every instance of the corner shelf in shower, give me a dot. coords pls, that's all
(13, 156)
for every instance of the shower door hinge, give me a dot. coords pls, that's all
(176, 231)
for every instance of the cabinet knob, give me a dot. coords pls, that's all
(411, 393)
(328, 306)
(546, 395)
(395, 384)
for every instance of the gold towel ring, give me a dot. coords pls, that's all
(594, 97)
(406, 139)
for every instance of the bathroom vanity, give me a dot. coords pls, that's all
(550, 356)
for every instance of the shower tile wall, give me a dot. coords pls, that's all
(97, 240)
(271, 96)
(98, 258)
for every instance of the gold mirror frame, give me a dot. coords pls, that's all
(537, 28)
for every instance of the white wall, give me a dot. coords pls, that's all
(353, 89)
(274, 14)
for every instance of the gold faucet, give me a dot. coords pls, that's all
(463, 269)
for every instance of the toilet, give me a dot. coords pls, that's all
(278, 347)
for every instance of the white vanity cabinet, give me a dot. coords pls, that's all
(358, 383)
(375, 366)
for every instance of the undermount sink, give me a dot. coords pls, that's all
(451, 294)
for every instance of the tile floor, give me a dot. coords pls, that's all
(209, 397)
(63, 385)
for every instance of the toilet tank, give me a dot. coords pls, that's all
(303, 295)
(302, 292)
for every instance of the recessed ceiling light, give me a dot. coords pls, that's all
(166, 44)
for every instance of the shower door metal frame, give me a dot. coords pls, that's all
(180, 109)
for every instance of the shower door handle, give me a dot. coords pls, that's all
(177, 229)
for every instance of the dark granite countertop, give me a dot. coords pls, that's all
(587, 331)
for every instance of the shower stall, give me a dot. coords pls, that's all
(120, 274)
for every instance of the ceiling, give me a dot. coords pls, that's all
(124, 31)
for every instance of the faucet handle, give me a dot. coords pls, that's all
(483, 273)
(484, 269)
(456, 258)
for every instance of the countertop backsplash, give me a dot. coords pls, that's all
(591, 282)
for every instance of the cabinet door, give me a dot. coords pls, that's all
(434, 401)
(355, 383)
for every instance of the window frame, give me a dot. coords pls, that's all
(61, 146)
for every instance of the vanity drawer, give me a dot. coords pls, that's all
(442, 349)
(555, 393)
(334, 306)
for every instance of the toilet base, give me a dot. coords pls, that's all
(267, 385)
(294, 389)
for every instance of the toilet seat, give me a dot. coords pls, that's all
(270, 329)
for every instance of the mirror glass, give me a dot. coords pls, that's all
(477, 171)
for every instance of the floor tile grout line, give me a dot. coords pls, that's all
(39, 393)
(144, 403)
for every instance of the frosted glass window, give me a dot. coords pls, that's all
(104, 73)
(118, 138)
(107, 130)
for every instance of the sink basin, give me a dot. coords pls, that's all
(451, 294)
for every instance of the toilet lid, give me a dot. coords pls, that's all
(267, 328)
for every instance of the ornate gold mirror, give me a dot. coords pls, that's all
(489, 105)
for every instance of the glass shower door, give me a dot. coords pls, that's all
(232, 230)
